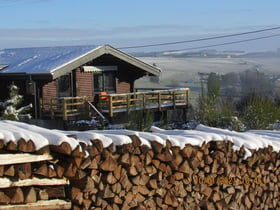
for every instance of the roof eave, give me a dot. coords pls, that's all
(97, 52)
(75, 63)
(134, 61)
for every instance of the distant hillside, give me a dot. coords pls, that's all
(208, 53)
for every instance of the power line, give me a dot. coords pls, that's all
(199, 40)
(229, 43)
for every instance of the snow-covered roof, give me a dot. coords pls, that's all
(14, 131)
(39, 59)
(58, 61)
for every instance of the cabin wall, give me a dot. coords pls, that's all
(122, 87)
(84, 84)
(49, 90)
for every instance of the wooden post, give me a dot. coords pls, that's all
(51, 109)
(159, 101)
(144, 101)
(41, 107)
(64, 109)
(188, 97)
(128, 103)
(110, 106)
(174, 99)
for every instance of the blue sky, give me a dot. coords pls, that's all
(28, 23)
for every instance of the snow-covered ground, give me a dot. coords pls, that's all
(255, 139)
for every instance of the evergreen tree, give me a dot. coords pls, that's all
(214, 110)
(10, 107)
(260, 112)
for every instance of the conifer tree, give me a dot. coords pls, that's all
(11, 109)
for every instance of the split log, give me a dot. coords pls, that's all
(55, 191)
(4, 199)
(63, 148)
(11, 146)
(15, 194)
(108, 192)
(109, 164)
(30, 195)
(111, 179)
(2, 167)
(76, 195)
(42, 170)
(9, 170)
(157, 147)
(70, 171)
(23, 170)
(42, 194)
(22, 145)
(51, 171)
(26, 146)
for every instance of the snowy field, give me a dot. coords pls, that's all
(183, 72)
(14, 131)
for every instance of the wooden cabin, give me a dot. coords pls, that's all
(58, 81)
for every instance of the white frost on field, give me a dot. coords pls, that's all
(255, 139)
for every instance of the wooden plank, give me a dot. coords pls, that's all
(5, 182)
(50, 204)
(8, 159)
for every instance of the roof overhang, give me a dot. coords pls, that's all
(2, 66)
(25, 76)
(97, 52)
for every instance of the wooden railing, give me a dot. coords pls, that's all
(113, 103)
(64, 107)
(67, 107)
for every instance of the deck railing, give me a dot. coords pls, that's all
(64, 107)
(113, 103)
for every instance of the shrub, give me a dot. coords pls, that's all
(140, 120)
(260, 112)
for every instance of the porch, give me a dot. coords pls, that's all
(111, 104)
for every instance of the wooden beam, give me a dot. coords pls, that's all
(5, 182)
(9, 159)
(49, 204)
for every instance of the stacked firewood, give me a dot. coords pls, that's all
(135, 176)
(33, 179)
(212, 176)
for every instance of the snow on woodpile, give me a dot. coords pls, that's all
(14, 131)
(208, 168)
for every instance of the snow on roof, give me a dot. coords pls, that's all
(58, 61)
(13, 131)
(39, 59)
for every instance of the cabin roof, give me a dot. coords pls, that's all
(58, 61)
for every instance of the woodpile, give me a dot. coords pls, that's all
(30, 181)
(134, 176)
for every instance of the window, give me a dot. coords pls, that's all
(64, 86)
(104, 82)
